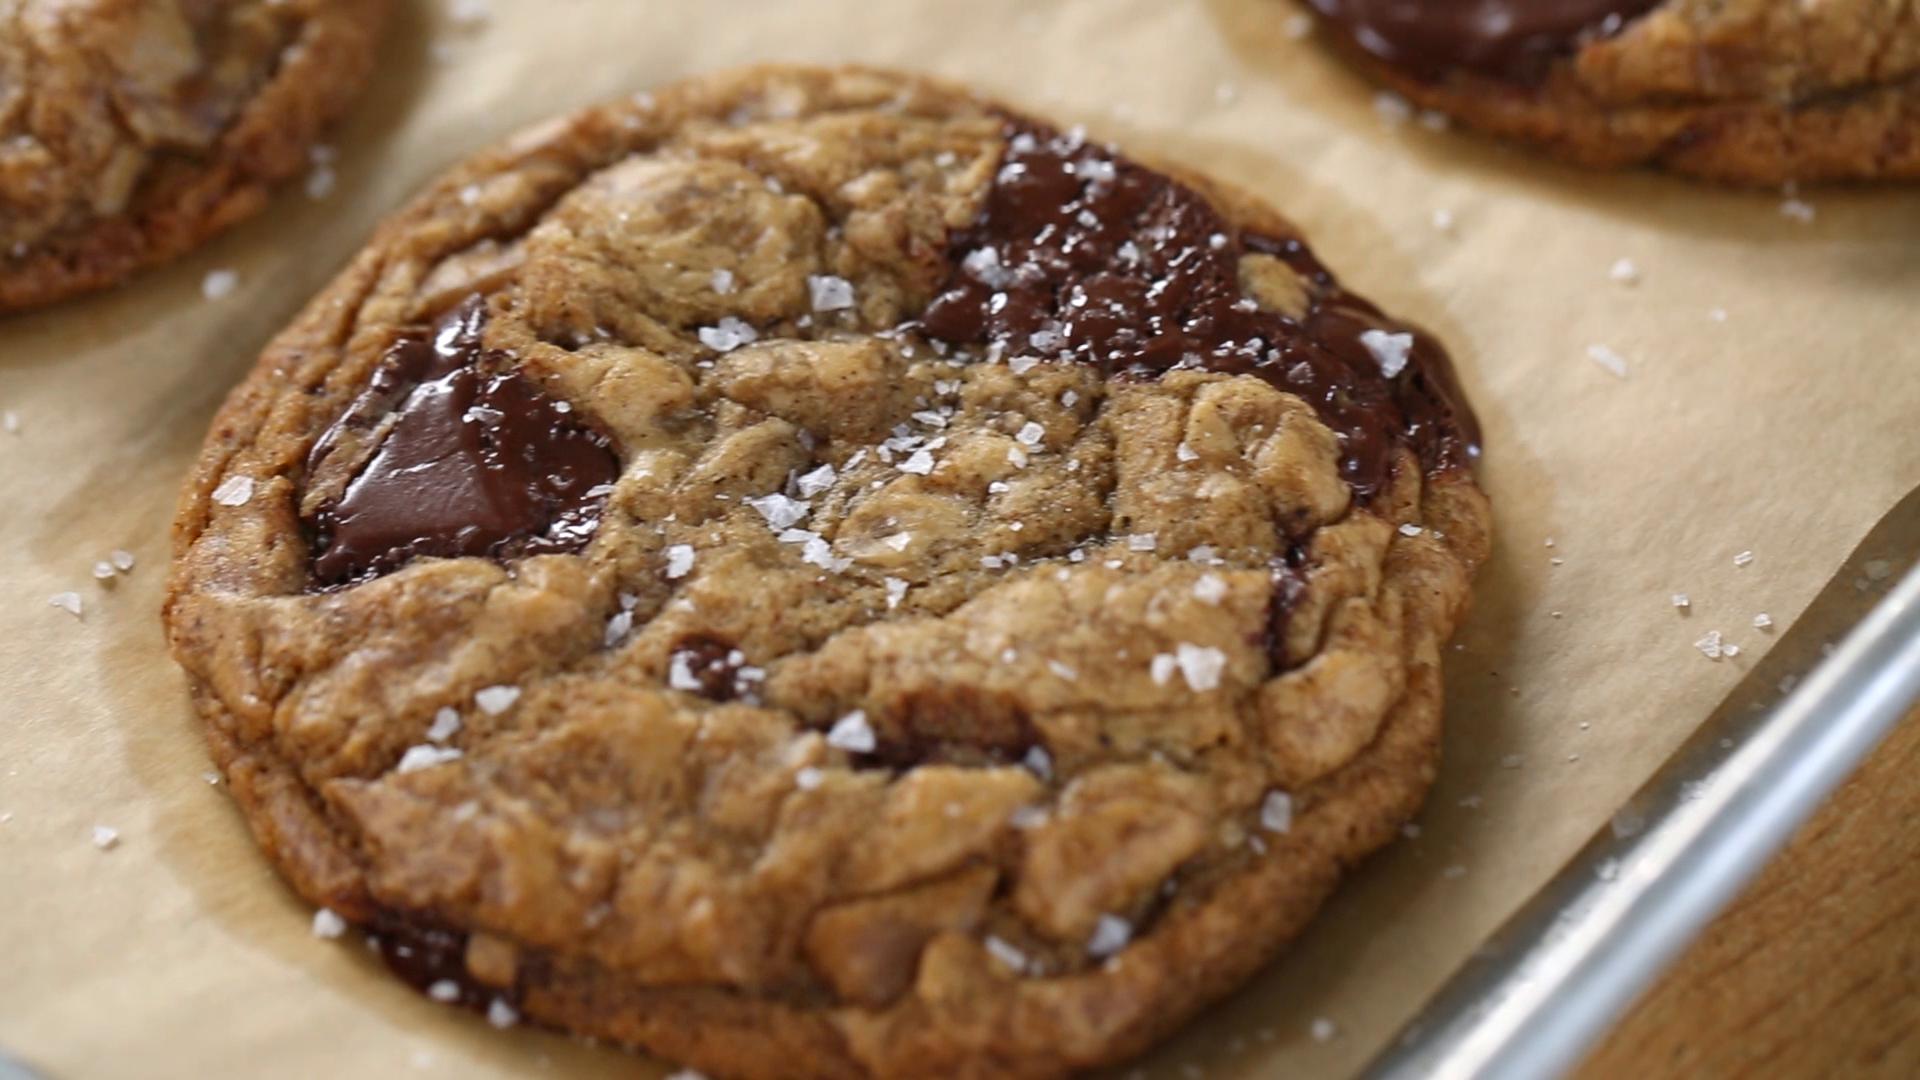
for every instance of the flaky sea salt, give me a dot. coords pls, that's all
(829, 293)
(327, 924)
(446, 724)
(234, 491)
(779, 511)
(502, 1015)
(68, 602)
(618, 627)
(425, 756)
(1443, 220)
(1410, 529)
(1797, 210)
(728, 334)
(1763, 621)
(721, 281)
(679, 560)
(1323, 1029)
(444, 991)
(1389, 350)
(852, 733)
(1141, 542)
(920, 463)
(1162, 667)
(817, 481)
(1276, 811)
(1210, 589)
(896, 591)
(1682, 601)
(105, 837)
(121, 559)
(1110, 934)
(219, 284)
(807, 778)
(1745, 558)
(1624, 272)
(1392, 108)
(1607, 358)
(494, 700)
(1038, 762)
(1030, 434)
(1710, 645)
(1005, 953)
(1201, 665)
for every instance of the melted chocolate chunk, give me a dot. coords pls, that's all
(1513, 40)
(1081, 254)
(479, 461)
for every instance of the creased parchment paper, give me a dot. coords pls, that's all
(1784, 427)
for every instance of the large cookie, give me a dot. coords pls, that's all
(813, 574)
(131, 130)
(1746, 91)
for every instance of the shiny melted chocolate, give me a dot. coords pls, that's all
(479, 461)
(1512, 40)
(1081, 254)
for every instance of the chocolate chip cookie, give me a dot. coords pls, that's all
(1744, 91)
(132, 130)
(812, 573)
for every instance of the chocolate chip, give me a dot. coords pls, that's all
(1513, 40)
(1081, 254)
(478, 461)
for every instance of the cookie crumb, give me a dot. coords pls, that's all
(1607, 358)
(219, 284)
(106, 837)
(1276, 811)
(234, 491)
(68, 602)
(327, 924)
(852, 733)
(494, 700)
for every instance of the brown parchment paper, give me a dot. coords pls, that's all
(1786, 430)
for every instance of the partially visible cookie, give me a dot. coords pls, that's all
(132, 130)
(815, 574)
(1743, 91)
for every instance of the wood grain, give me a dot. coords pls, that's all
(1815, 971)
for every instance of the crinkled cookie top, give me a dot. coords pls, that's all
(818, 535)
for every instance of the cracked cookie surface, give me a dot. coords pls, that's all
(811, 573)
(131, 130)
(1742, 91)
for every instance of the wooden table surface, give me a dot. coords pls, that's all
(1815, 971)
